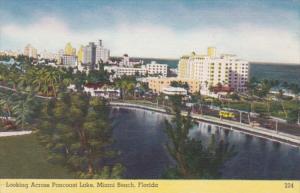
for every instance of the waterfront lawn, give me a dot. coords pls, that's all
(24, 157)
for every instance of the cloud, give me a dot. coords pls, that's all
(251, 42)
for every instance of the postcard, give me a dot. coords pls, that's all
(161, 96)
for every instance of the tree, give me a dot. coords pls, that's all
(180, 84)
(6, 105)
(98, 137)
(13, 75)
(127, 85)
(234, 96)
(193, 159)
(178, 135)
(76, 130)
(280, 98)
(295, 90)
(3, 73)
(264, 88)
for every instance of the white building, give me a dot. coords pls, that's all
(157, 69)
(47, 55)
(10, 53)
(59, 56)
(30, 51)
(102, 91)
(125, 61)
(121, 71)
(174, 91)
(89, 54)
(102, 54)
(69, 60)
(212, 70)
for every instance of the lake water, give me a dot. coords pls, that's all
(140, 137)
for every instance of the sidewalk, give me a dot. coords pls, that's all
(14, 133)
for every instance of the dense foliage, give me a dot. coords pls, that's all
(74, 127)
(76, 130)
(193, 159)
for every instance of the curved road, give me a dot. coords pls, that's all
(226, 124)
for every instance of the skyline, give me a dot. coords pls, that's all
(263, 31)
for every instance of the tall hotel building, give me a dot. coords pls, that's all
(68, 58)
(102, 54)
(212, 70)
(93, 53)
(69, 50)
(30, 51)
(89, 55)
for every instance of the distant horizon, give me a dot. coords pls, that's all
(266, 62)
(165, 58)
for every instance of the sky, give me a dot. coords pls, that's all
(255, 30)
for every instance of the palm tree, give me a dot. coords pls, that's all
(178, 135)
(6, 103)
(3, 73)
(194, 160)
(280, 97)
(295, 90)
(48, 81)
(39, 79)
(23, 110)
(13, 75)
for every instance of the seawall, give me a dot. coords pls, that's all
(226, 124)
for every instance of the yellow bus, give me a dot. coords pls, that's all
(226, 114)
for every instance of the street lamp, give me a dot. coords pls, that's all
(240, 116)
(298, 117)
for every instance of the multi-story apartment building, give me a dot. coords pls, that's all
(149, 69)
(92, 54)
(126, 61)
(121, 71)
(69, 50)
(30, 51)
(157, 85)
(157, 69)
(89, 55)
(80, 55)
(47, 55)
(69, 60)
(10, 53)
(102, 54)
(212, 70)
(183, 66)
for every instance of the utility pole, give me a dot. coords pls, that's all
(276, 126)
(201, 108)
(298, 117)
(240, 116)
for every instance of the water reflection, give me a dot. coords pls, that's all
(140, 136)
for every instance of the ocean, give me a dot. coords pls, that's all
(282, 72)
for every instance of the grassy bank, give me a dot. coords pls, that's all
(24, 157)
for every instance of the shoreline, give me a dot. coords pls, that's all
(226, 124)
